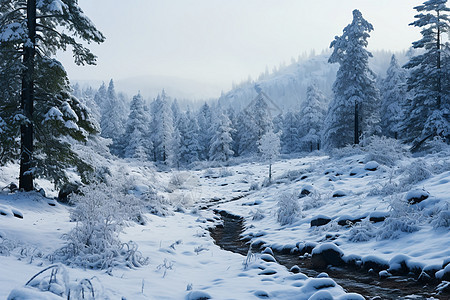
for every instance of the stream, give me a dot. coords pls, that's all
(228, 237)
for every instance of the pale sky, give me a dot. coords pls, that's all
(220, 41)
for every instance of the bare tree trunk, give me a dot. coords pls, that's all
(356, 133)
(438, 46)
(27, 99)
(270, 172)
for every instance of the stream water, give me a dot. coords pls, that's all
(228, 237)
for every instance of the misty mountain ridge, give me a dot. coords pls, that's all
(287, 86)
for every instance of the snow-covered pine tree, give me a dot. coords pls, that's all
(189, 145)
(355, 93)
(393, 99)
(204, 119)
(290, 129)
(35, 30)
(162, 128)
(312, 114)
(253, 123)
(10, 87)
(135, 141)
(230, 112)
(429, 80)
(88, 99)
(176, 111)
(269, 148)
(100, 97)
(112, 120)
(221, 142)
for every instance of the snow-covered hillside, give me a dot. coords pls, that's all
(362, 194)
(287, 86)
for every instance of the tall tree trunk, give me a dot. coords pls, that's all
(27, 99)
(356, 129)
(438, 46)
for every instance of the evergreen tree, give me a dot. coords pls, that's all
(221, 142)
(204, 119)
(10, 87)
(162, 128)
(34, 31)
(189, 145)
(253, 123)
(290, 132)
(394, 94)
(176, 112)
(429, 80)
(100, 97)
(112, 120)
(312, 115)
(355, 94)
(135, 142)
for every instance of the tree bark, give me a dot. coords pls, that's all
(270, 172)
(27, 99)
(438, 63)
(356, 129)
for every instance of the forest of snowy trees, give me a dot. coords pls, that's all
(409, 103)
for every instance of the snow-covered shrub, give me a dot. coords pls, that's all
(53, 282)
(182, 180)
(6, 246)
(100, 215)
(225, 172)
(208, 173)
(384, 150)
(361, 232)
(437, 145)
(181, 200)
(290, 175)
(346, 151)
(416, 172)
(289, 209)
(254, 186)
(258, 215)
(313, 200)
(156, 204)
(442, 217)
(390, 187)
(386, 189)
(403, 218)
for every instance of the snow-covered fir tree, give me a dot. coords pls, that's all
(312, 114)
(204, 119)
(222, 141)
(88, 99)
(189, 146)
(355, 93)
(45, 111)
(176, 111)
(113, 118)
(290, 128)
(429, 80)
(9, 104)
(162, 128)
(100, 97)
(253, 123)
(135, 142)
(393, 99)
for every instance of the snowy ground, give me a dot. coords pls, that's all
(184, 263)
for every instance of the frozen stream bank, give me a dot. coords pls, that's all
(228, 237)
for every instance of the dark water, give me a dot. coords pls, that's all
(228, 237)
